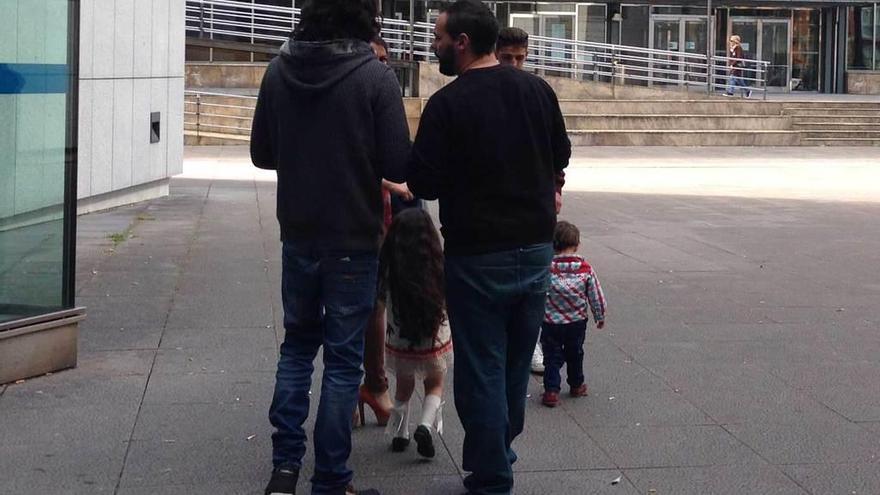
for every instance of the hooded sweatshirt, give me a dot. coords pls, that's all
(330, 121)
(573, 287)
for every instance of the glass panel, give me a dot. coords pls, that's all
(33, 102)
(528, 24)
(774, 49)
(860, 38)
(634, 25)
(561, 27)
(591, 23)
(667, 36)
(805, 50)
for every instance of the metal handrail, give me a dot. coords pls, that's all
(193, 117)
(547, 56)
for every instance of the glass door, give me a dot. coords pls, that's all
(678, 34)
(767, 40)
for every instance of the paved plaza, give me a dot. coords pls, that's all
(741, 353)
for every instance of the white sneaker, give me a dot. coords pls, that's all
(538, 360)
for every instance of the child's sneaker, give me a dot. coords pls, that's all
(550, 399)
(579, 391)
(538, 360)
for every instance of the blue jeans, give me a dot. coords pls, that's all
(328, 298)
(495, 303)
(736, 81)
(563, 344)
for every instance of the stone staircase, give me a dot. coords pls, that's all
(602, 122)
(721, 122)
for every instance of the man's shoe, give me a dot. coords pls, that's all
(579, 391)
(538, 361)
(283, 482)
(350, 490)
(550, 399)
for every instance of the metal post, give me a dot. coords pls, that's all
(198, 113)
(412, 30)
(710, 48)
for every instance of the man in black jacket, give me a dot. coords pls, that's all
(489, 146)
(330, 121)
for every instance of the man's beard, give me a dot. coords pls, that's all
(447, 62)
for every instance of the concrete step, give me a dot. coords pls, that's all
(814, 111)
(837, 119)
(841, 134)
(682, 122)
(836, 126)
(840, 142)
(191, 138)
(718, 106)
(635, 137)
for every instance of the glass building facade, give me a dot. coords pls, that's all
(863, 37)
(38, 74)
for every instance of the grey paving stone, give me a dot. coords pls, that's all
(720, 480)
(180, 422)
(53, 468)
(119, 339)
(197, 461)
(581, 481)
(809, 442)
(67, 426)
(141, 283)
(127, 312)
(72, 389)
(858, 478)
(672, 446)
(219, 337)
(251, 488)
(606, 407)
(211, 388)
(214, 360)
(241, 309)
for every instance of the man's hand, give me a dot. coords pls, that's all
(400, 190)
(558, 203)
(600, 325)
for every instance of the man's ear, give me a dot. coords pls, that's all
(463, 42)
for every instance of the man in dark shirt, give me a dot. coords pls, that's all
(488, 147)
(330, 121)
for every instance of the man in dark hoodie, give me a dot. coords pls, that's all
(489, 147)
(330, 121)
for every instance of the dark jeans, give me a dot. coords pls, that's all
(495, 303)
(328, 298)
(563, 344)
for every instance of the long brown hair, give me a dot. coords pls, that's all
(411, 274)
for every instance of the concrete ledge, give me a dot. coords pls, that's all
(41, 345)
(127, 196)
(865, 82)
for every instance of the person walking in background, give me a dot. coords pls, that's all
(735, 66)
(488, 147)
(574, 286)
(330, 120)
(512, 49)
(418, 343)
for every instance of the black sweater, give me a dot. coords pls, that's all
(489, 147)
(330, 120)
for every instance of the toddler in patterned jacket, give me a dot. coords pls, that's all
(573, 287)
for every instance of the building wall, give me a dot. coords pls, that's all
(131, 64)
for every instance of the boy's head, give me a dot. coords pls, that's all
(566, 237)
(380, 49)
(512, 46)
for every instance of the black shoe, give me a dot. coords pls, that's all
(283, 481)
(424, 441)
(399, 444)
(350, 490)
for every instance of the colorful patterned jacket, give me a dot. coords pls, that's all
(573, 287)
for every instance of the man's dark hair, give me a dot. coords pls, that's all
(474, 19)
(324, 20)
(565, 236)
(380, 41)
(512, 36)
